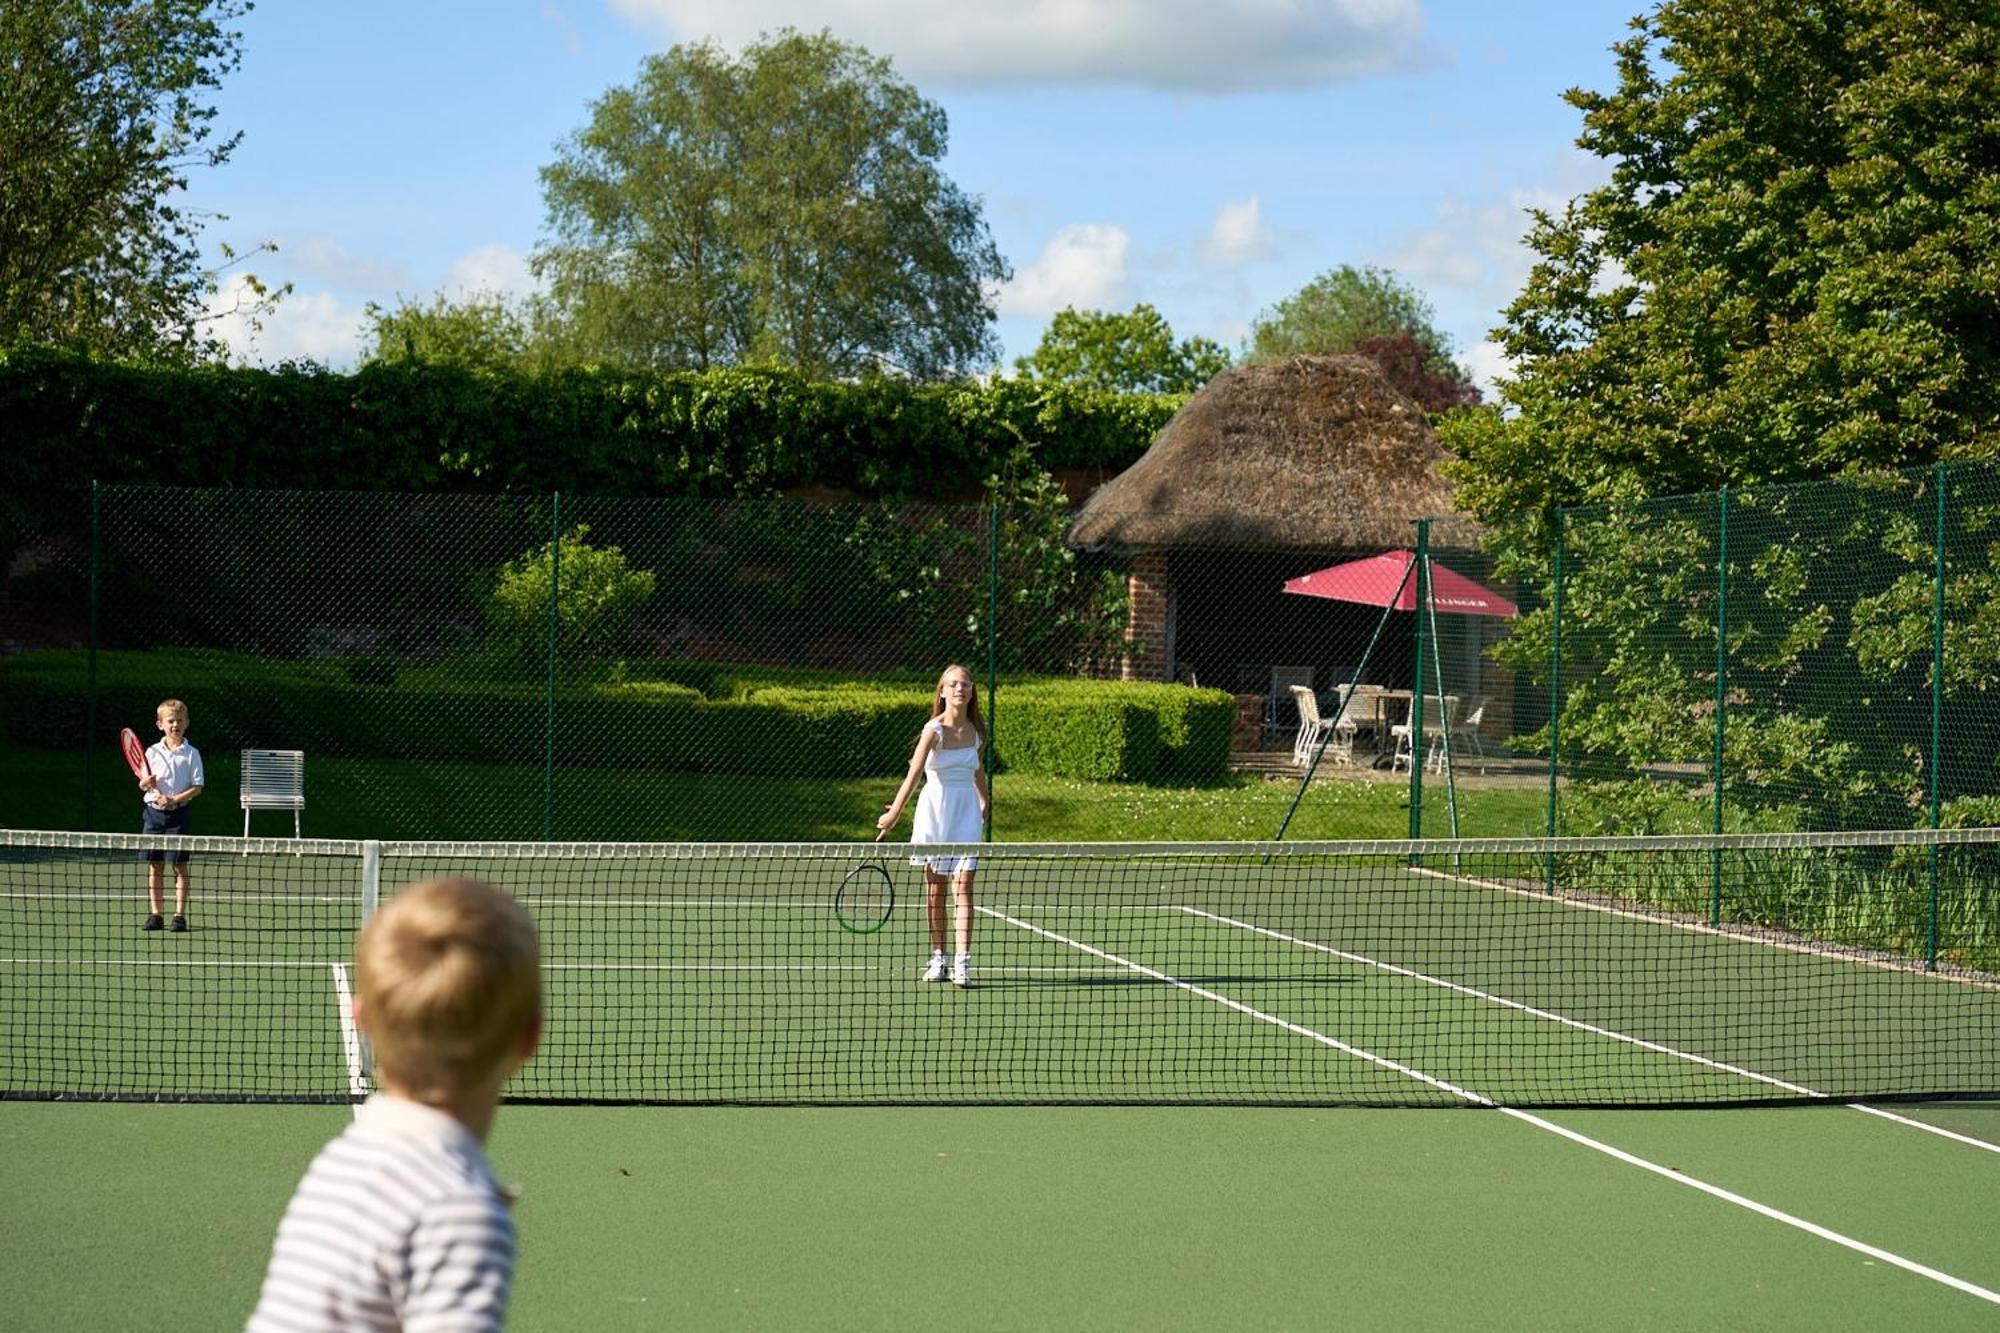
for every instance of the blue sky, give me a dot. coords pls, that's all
(1208, 156)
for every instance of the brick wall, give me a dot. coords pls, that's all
(1146, 587)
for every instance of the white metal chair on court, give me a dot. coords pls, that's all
(273, 780)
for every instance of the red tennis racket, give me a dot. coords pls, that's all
(135, 753)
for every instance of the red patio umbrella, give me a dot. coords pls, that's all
(1385, 580)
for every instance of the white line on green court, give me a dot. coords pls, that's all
(1613, 1034)
(1464, 1094)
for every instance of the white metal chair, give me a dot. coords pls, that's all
(1436, 717)
(1466, 729)
(1312, 727)
(273, 780)
(1283, 678)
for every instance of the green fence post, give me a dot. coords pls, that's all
(1937, 713)
(1417, 694)
(1555, 694)
(549, 730)
(90, 702)
(1721, 700)
(992, 650)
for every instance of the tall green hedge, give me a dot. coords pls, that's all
(1108, 730)
(417, 427)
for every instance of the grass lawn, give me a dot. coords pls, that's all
(390, 799)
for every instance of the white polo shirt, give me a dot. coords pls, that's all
(175, 770)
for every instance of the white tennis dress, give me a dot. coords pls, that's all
(948, 806)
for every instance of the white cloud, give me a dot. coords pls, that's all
(1209, 46)
(1238, 235)
(316, 326)
(324, 260)
(1487, 364)
(572, 40)
(497, 270)
(1083, 265)
(1475, 249)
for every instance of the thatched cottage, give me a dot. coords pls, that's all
(1269, 472)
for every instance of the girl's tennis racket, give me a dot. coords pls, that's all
(866, 898)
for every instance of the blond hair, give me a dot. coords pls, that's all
(176, 707)
(449, 981)
(971, 699)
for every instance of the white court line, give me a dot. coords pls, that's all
(152, 962)
(1832, 953)
(350, 1036)
(1574, 1136)
(1691, 1057)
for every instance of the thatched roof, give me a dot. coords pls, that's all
(1315, 451)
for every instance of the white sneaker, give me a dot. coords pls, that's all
(934, 970)
(961, 971)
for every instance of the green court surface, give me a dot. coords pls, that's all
(160, 1217)
(1317, 979)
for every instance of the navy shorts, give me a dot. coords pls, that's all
(179, 821)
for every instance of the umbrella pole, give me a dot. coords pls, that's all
(1345, 700)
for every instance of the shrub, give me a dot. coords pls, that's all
(596, 595)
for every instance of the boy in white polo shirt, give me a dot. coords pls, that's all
(173, 777)
(399, 1222)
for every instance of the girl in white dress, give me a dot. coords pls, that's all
(952, 808)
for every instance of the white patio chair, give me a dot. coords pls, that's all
(1311, 727)
(1436, 717)
(1465, 730)
(273, 780)
(1283, 678)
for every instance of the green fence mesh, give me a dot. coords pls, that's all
(555, 666)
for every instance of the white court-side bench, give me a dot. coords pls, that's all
(273, 780)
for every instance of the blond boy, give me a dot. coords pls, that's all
(399, 1222)
(172, 779)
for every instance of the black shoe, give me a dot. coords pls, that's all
(152, 922)
(180, 925)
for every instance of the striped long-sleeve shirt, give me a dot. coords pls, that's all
(398, 1224)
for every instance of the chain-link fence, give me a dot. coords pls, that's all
(550, 666)
(1769, 658)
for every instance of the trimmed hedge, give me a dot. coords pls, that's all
(409, 426)
(1121, 731)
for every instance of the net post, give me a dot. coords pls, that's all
(1422, 562)
(1555, 693)
(549, 725)
(1437, 662)
(1721, 697)
(90, 690)
(1937, 710)
(992, 650)
(371, 902)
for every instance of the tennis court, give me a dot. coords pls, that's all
(1198, 984)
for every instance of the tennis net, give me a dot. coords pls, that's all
(1649, 971)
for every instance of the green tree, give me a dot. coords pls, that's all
(1794, 268)
(1367, 312)
(596, 598)
(104, 110)
(1130, 353)
(781, 207)
(484, 330)
(1792, 272)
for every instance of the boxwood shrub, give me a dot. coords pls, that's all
(1102, 730)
